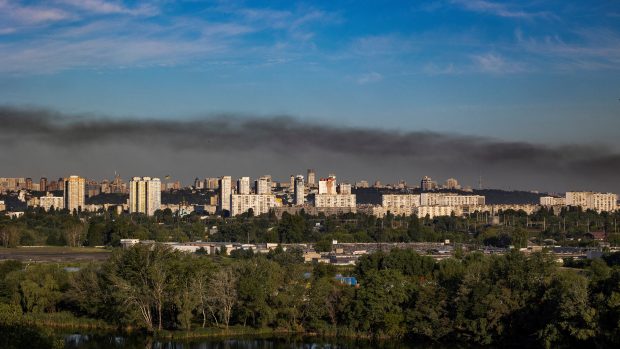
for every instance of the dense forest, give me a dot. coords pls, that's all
(511, 299)
(514, 228)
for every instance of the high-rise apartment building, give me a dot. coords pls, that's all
(263, 185)
(243, 185)
(311, 177)
(225, 183)
(144, 195)
(327, 185)
(74, 193)
(299, 190)
(43, 184)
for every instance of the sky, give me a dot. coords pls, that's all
(544, 75)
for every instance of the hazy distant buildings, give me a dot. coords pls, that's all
(43, 184)
(212, 183)
(362, 184)
(144, 195)
(427, 184)
(299, 191)
(224, 194)
(451, 184)
(74, 193)
(311, 177)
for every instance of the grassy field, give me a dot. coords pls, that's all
(54, 254)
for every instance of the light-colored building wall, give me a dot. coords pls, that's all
(299, 191)
(74, 193)
(225, 192)
(400, 204)
(48, 201)
(334, 200)
(259, 203)
(327, 185)
(436, 211)
(552, 201)
(243, 185)
(144, 195)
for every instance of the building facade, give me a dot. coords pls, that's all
(144, 195)
(259, 203)
(299, 196)
(74, 193)
(225, 191)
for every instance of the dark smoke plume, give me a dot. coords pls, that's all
(225, 142)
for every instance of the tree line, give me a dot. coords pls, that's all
(476, 299)
(568, 228)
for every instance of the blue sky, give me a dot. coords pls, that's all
(542, 71)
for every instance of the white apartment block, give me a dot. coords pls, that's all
(243, 185)
(263, 185)
(224, 195)
(299, 191)
(144, 195)
(48, 201)
(74, 193)
(259, 203)
(399, 204)
(448, 199)
(600, 202)
(335, 200)
(436, 211)
(552, 201)
(327, 185)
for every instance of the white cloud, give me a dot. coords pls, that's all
(498, 9)
(111, 7)
(496, 64)
(369, 78)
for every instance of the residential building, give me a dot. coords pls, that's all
(335, 200)
(259, 203)
(263, 185)
(49, 200)
(43, 184)
(243, 185)
(299, 191)
(344, 188)
(224, 194)
(144, 195)
(427, 184)
(311, 177)
(327, 185)
(399, 204)
(552, 201)
(74, 193)
(452, 184)
(600, 202)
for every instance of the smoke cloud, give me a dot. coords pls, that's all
(37, 142)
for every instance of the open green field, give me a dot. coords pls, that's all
(54, 254)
